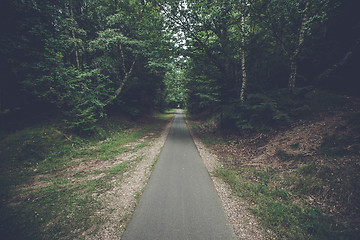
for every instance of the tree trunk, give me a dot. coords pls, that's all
(127, 75)
(292, 78)
(74, 36)
(342, 61)
(293, 57)
(243, 66)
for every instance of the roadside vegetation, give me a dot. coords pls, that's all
(51, 180)
(301, 180)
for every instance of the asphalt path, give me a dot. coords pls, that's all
(180, 200)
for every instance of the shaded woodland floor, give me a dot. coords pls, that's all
(301, 181)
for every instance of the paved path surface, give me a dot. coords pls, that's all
(180, 200)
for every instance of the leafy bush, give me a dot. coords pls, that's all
(203, 91)
(258, 113)
(79, 94)
(276, 108)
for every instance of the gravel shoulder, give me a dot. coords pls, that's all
(121, 200)
(245, 225)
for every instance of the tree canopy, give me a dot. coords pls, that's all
(92, 57)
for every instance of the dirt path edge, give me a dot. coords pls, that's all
(244, 224)
(121, 201)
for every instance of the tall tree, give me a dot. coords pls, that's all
(294, 55)
(290, 22)
(80, 55)
(243, 60)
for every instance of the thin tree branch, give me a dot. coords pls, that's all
(341, 62)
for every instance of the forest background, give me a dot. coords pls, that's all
(255, 62)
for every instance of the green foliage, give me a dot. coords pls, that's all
(80, 94)
(53, 41)
(175, 82)
(77, 55)
(277, 108)
(203, 90)
(211, 38)
(259, 113)
(132, 49)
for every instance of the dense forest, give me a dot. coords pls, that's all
(91, 58)
(78, 77)
(83, 57)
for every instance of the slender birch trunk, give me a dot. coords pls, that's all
(292, 78)
(342, 61)
(74, 36)
(293, 57)
(243, 62)
(127, 75)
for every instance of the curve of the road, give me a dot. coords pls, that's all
(180, 200)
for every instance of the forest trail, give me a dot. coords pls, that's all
(180, 201)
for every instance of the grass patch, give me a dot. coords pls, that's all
(141, 145)
(167, 114)
(120, 168)
(52, 212)
(60, 207)
(210, 141)
(282, 208)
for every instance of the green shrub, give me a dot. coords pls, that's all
(258, 113)
(79, 94)
(271, 109)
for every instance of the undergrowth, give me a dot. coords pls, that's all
(61, 207)
(283, 207)
(264, 111)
